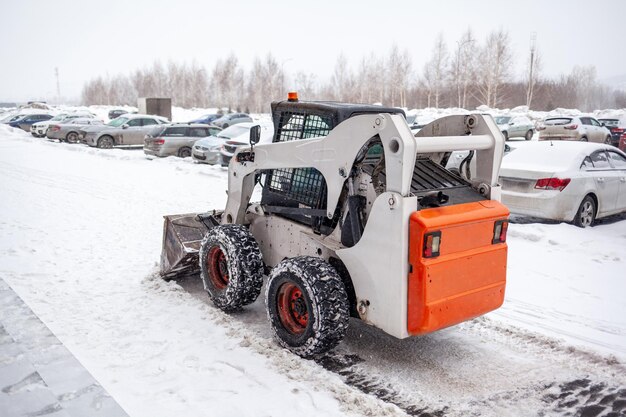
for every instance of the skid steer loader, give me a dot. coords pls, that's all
(357, 217)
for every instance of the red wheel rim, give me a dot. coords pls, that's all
(218, 267)
(292, 308)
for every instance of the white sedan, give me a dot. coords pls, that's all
(568, 181)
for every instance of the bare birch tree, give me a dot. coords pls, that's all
(463, 67)
(494, 68)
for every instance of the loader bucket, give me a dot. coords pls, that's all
(182, 236)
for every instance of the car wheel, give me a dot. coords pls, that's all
(506, 135)
(71, 137)
(607, 140)
(231, 266)
(225, 125)
(105, 142)
(529, 135)
(586, 214)
(584, 139)
(307, 305)
(184, 152)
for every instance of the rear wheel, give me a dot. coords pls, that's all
(225, 125)
(607, 140)
(586, 214)
(529, 135)
(231, 266)
(105, 142)
(72, 137)
(307, 305)
(184, 152)
(584, 139)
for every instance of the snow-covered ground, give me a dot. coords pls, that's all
(80, 238)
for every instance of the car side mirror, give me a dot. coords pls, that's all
(124, 126)
(255, 135)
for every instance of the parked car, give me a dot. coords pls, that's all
(583, 128)
(126, 130)
(616, 126)
(622, 142)
(232, 119)
(177, 139)
(207, 119)
(565, 181)
(27, 120)
(67, 130)
(114, 114)
(229, 147)
(516, 127)
(207, 150)
(39, 129)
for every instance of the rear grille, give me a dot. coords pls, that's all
(427, 176)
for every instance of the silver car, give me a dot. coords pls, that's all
(40, 129)
(232, 119)
(207, 150)
(67, 130)
(516, 127)
(583, 128)
(176, 140)
(126, 130)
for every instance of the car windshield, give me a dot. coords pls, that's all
(502, 120)
(558, 121)
(118, 122)
(233, 131)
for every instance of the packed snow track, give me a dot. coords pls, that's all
(80, 239)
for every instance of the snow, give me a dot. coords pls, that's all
(80, 239)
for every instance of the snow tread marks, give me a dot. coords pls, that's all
(329, 310)
(245, 266)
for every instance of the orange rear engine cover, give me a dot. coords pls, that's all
(468, 277)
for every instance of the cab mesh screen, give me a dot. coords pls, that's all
(303, 185)
(298, 125)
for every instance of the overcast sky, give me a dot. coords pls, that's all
(88, 38)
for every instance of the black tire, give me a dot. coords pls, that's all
(106, 142)
(225, 125)
(608, 140)
(231, 266)
(506, 135)
(307, 305)
(586, 213)
(584, 139)
(71, 137)
(529, 135)
(184, 152)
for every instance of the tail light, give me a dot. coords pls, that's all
(159, 141)
(570, 127)
(617, 130)
(432, 242)
(54, 128)
(552, 183)
(499, 231)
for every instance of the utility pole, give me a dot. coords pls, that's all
(531, 68)
(56, 73)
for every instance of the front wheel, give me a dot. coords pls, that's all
(184, 152)
(307, 305)
(529, 135)
(231, 266)
(105, 142)
(586, 214)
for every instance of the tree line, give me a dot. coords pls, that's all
(466, 74)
